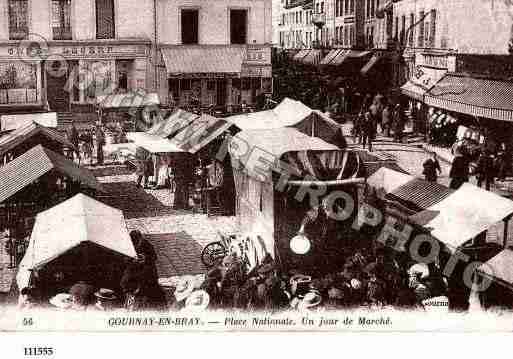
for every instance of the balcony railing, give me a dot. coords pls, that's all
(319, 19)
(17, 33)
(62, 33)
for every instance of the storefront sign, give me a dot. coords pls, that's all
(256, 71)
(41, 53)
(258, 55)
(426, 77)
(348, 20)
(445, 62)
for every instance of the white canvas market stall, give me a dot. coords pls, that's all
(79, 239)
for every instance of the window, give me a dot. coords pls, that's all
(403, 30)
(352, 6)
(185, 84)
(396, 28)
(18, 19)
(421, 30)
(105, 19)
(61, 19)
(432, 33)
(238, 26)
(190, 29)
(411, 29)
(283, 19)
(322, 8)
(346, 36)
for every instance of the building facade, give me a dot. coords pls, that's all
(457, 60)
(63, 54)
(214, 53)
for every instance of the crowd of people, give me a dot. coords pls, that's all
(378, 112)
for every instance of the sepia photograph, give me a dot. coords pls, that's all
(256, 165)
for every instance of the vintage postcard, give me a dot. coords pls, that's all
(256, 165)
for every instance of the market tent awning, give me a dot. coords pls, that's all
(12, 122)
(388, 179)
(473, 96)
(500, 268)
(132, 99)
(330, 56)
(22, 134)
(418, 194)
(184, 60)
(344, 55)
(413, 90)
(463, 214)
(269, 147)
(200, 133)
(152, 143)
(25, 169)
(73, 222)
(173, 123)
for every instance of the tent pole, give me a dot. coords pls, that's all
(505, 233)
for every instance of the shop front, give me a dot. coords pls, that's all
(77, 74)
(424, 70)
(221, 78)
(21, 81)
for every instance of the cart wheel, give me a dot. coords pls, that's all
(213, 254)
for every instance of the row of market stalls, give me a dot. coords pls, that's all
(36, 171)
(468, 220)
(190, 143)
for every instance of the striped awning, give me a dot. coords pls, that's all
(370, 64)
(473, 96)
(313, 57)
(36, 162)
(413, 90)
(340, 57)
(330, 56)
(301, 54)
(132, 99)
(197, 59)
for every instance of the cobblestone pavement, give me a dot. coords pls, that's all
(177, 236)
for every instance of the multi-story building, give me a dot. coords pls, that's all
(214, 52)
(457, 56)
(48, 47)
(295, 27)
(68, 54)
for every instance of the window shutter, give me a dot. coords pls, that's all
(104, 19)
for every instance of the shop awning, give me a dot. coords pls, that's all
(343, 55)
(473, 96)
(200, 133)
(313, 57)
(12, 122)
(36, 162)
(133, 99)
(330, 56)
(22, 134)
(457, 219)
(152, 143)
(173, 123)
(413, 90)
(500, 268)
(188, 60)
(301, 54)
(370, 64)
